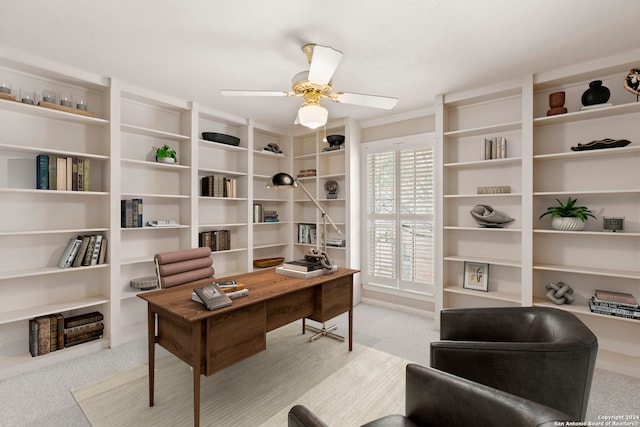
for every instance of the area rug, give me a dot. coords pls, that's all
(343, 388)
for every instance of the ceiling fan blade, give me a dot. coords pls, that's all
(324, 62)
(253, 93)
(374, 101)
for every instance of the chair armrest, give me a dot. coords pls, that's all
(437, 398)
(301, 416)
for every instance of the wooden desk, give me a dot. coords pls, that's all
(210, 341)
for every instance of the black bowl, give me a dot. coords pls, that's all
(221, 138)
(335, 140)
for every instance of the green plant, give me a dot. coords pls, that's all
(569, 209)
(166, 151)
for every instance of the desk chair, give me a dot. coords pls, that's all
(186, 266)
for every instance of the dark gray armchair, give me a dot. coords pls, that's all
(546, 355)
(436, 398)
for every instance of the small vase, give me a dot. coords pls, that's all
(556, 102)
(596, 94)
(567, 223)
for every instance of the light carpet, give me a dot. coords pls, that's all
(344, 388)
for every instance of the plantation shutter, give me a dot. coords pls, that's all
(399, 201)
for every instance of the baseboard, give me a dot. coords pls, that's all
(398, 307)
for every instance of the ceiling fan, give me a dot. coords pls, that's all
(315, 84)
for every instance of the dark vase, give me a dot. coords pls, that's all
(596, 94)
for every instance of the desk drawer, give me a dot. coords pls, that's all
(332, 298)
(234, 336)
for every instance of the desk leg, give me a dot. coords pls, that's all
(196, 330)
(351, 328)
(151, 326)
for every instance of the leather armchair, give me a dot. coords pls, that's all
(436, 398)
(546, 355)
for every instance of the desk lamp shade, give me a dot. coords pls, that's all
(281, 179)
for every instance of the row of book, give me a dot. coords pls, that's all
(55, 332)
(307, 234)
(495, 148)
(131, 213)
(615, 304)
(63, 173)
(82, 251)
(217, 240)
(217, 186)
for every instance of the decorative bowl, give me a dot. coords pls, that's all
(221, 138)
(267, 262)
(335, 140)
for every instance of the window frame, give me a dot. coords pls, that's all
(418, 141)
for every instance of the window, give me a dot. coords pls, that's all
(399, 196)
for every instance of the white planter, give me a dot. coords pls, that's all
(567, 223)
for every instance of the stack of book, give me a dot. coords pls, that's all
(231, 290)
(131, 213)
(83, 251)
(83, 328)
(615, 304)
(271, 216)
(54, 332)
(218, 186)
(63, 173)
(217, 240)
(339, 243)
(303, 265)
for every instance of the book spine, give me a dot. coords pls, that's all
(96, 250)
(103, 251)
(83, 319)
(77, 262)
(44, 335)
(75, 330)
(80, 174)
(87, 174)
(42, 177)
(96, 328)
(87, 256)
(629, 314)
(53, 332)
(53, 164)
(61, 173)
(69, 170)
(33, 337)
(60, 323)
(139, 214)
(74, 174)
(66, 260)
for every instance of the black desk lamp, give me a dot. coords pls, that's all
(282, 179)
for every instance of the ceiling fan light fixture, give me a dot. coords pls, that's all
(312, 115)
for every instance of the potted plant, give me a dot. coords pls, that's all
(166, 154)
(568, 216)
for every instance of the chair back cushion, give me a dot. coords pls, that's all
(183, 266)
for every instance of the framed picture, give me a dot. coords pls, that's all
(476, 276)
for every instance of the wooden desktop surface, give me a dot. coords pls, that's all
(210, 341)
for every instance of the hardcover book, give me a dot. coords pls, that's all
(42, 177)
(302, 265)
(82, 319)
(212, 296)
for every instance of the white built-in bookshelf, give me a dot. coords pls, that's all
(540, 166)
(128, 125)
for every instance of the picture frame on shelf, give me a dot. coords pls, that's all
(476, 276)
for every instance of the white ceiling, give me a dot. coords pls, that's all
(409, 49)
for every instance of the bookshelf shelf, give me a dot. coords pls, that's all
(31, 312)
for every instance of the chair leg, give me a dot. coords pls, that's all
(324, 332)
